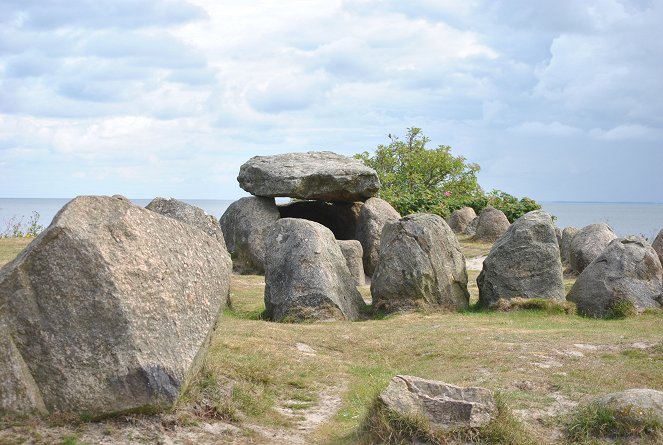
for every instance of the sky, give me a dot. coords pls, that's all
(556, 100)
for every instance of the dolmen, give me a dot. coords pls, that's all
(109, 310)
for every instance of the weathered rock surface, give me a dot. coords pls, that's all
(244, 225)
(565, 248)
(635, 407)
(461, 218)
(588, 244)
(558, 234)
(339, 217)
(188, 214)
(471, 228)
(111, 308)
(628, 272)
(658, 245)
(491, 225)
(374, 214)
(420, 265)
(445, 407)
(524, 263)
(353, 253)
(321, 175)
(306, 277)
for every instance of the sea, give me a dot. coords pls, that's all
(626, 218)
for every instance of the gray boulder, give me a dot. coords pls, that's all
(628, 272)
(461, 218)
(588, 244)
(445, 407)
(420, 265)
(244, 225)
(339, 217)
(110, 309)
(353, 253)
(565, 248)
(188, 214)
(306, 276)
(471, 228)
(558, 234)
(491, 225)
(658, 245)
(321, 175)
(374, 214)
(524, 263)
(634, 407)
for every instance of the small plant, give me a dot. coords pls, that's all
(621, 308)
(597, 421)
(13, 227)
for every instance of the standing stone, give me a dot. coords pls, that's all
(353, 253)
(658, 245)
(374, 214)
(588, 244)
(244, 224)
(188, 214)
(471, 228)
(491, 225)
(445, 407)
(565, 248)
(524, 263)
(628, 271)
(420, 265)
(461, 218)
(321, 175)
(558, 234)
(339, 217)
(306, 277)
(111, 308)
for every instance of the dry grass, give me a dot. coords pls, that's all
(471, 248)
(10, 247)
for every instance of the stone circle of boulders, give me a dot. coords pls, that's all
(627, 274)
(491, 225)
(461, 218)
(588, 244)
(445, 407)
(634, 407)
(374, 214)
(109, 309)
(565, 247)
(524, 263)
(420, 265)
(353, 254)
(188, 214)
(306, 276)
(658, 245)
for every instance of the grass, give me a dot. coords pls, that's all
(542, 363)
(471, 248)
(10, 247)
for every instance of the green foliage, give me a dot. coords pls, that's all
(621, 308)
(418, 179)
(14, 227)
(597, 421)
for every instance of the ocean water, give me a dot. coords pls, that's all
(625, 218)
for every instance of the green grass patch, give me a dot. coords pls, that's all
(595, 421)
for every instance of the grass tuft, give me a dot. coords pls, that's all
(594, 421)
(621, 308)
(552, 307)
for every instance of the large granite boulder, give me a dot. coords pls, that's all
(188, 214)
(491, 225)
(110, 309)
(634, 407)
(353, 253)
(321, 175)
(374, 214)
(445, 407)
(565, 248)
(524, 263)
(627, 273)
(588, 244)
(339, 217)
(420, 265)
(461, 218)
(306, 276)
(658, 245)
(244, 225)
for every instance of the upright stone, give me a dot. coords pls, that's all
(588, 244)
(306, 276)
(353, 253)
(420, 265)
(111, 308)
(188, 214)
(524, 263)
(491, 225)
(321, 175)
(627, 273)
(658, 245)
(374, 214)
(339, 217)
(461, 218)
(244, 224)
(471, 228)
(565, 249)
(558, 233)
